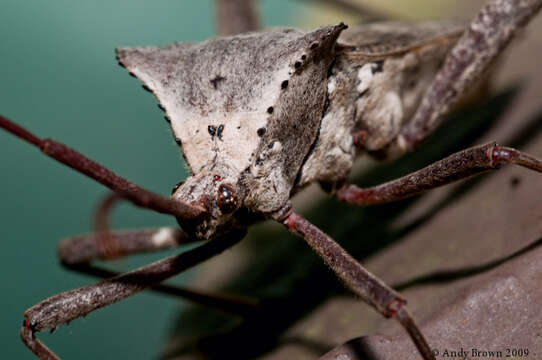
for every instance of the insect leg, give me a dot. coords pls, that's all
(360, 281)
(76, 253)
(84, 248)
(482, 42)
(103, 245)
(69, 305)
(461, 165)
(236, 16)
(126, 189)
(103, 211)
(106, 245)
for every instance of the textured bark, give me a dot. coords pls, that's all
(483, 41)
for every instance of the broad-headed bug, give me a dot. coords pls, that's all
(260, 115)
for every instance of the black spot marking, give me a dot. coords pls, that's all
(377, 67)
(515, 181)
(326, 186)
(176, 187)
(303, 57)
(326, 105)
(330, 69)
(178, 141)
(297, 64)
(219, 131)
(121, 64)
(270, 110)
(364, 92)
(238, 127)
(217, 80)
(167, 119)
(212, 130)
(261, 131)
(284, 84)
(411, 84)
(132, 74)
(146, 88)
(270, 145)
(314, 45)
(161, 107)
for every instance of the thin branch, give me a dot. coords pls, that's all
(483, 41)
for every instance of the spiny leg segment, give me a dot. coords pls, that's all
(76, 253)
(463, 164)
(358, 279)
(84, 248)
(69, 305)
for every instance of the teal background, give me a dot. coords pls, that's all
(59, 78)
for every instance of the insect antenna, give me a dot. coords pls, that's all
(126, 189)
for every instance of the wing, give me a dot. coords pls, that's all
(384, 39)
(375, 85)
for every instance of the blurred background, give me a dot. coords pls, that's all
(59, 78)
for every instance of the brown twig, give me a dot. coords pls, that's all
(483, 41)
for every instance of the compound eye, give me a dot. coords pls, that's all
(227, 199)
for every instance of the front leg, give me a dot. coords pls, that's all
(78, 252)
(67, 306)
(360, 281)
(89, 247)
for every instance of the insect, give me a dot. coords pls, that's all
(259, 116)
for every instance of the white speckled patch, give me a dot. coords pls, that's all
(164, 237)
(365, 75)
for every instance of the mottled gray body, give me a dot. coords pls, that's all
(261, 115)
(376, 83)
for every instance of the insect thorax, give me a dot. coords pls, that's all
(374, 86)
(276, 110)
(250, 103)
